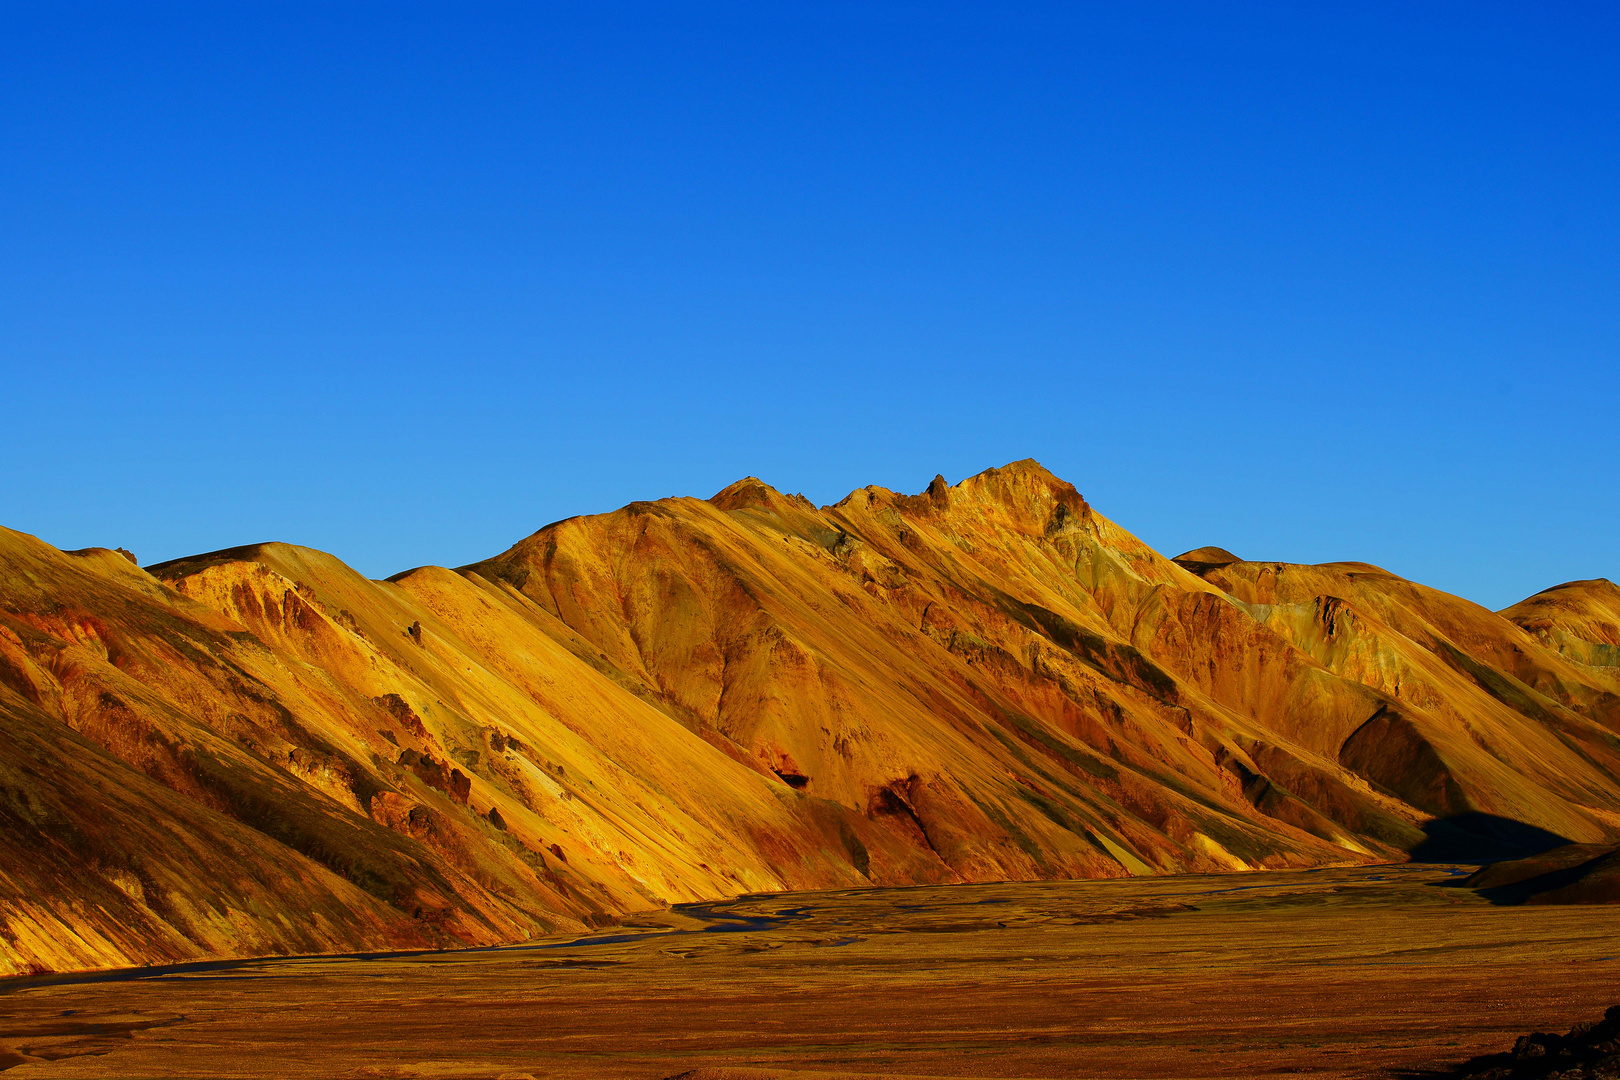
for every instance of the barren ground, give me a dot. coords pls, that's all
(1342, 972)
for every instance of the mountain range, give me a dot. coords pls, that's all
(260, 751)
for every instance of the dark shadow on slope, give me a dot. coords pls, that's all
(1577, 874)
(1518, 892)
(1476, 837)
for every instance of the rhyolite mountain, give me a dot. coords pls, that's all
(261, 751)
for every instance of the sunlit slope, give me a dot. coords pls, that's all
(437, 672)
(1034, 689)
(163, 803)
(260, 750)
(1579, 619)
(101, 866)
(258, 773)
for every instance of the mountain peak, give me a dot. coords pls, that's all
(753, 493)
(1026, 491)
(1586, 610)
(1209, 556)
(191, 564)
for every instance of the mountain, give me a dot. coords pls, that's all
(1580, 619)
(260, 751)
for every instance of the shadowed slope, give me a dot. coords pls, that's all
(1574, 874)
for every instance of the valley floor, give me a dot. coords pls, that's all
(1352, 972)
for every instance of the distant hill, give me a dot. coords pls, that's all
(260, 751)
(1580, 619)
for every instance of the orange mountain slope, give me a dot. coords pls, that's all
(261, 751)
(1580, 619)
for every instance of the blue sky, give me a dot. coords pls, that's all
(406, 282)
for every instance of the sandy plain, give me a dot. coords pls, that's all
(1351, 972)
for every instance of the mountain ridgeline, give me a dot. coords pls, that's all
(260, 751)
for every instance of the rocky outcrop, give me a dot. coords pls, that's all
(1590, 1051)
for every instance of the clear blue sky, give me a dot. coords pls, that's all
(406, 282)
